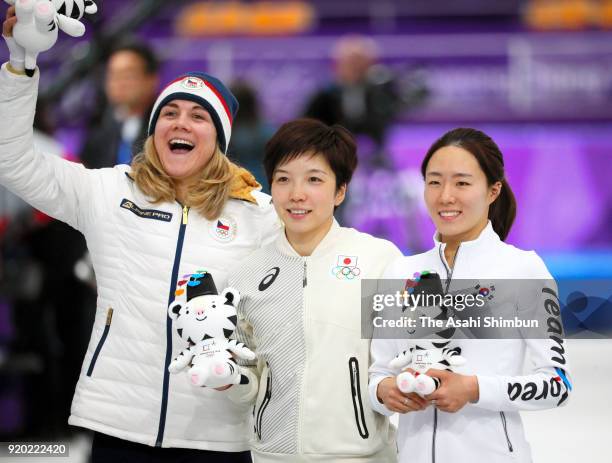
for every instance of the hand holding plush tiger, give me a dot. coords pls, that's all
(205, 321)
(37, 27)
(422, 357)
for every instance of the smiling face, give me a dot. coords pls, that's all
(185, 139)
(204, 317)
(304, 196)
(457, 194)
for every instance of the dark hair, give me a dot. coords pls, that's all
(249, 103)
(503, 210)
(310, 136)
(141, 49)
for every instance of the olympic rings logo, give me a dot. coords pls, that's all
(342, 272)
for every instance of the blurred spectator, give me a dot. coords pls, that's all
(130, 89)
(250, 133)
(363, 98)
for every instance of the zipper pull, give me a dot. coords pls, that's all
(305, 280)
(185, 212)
(109, 316)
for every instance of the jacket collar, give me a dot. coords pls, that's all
(243, 184)
(487, 236)
(327, 243)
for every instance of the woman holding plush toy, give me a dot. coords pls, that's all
(300, 309)
(181, 206)
(475, 414)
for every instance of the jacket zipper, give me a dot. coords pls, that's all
(304, 284)
(173, 281)
(449, 271)
(94, 359)
(433, 438)
(357, 402)
(449, 277)
(505, 425)
(264, 403)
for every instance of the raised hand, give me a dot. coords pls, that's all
(16, 52)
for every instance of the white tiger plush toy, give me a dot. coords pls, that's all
(37, 27)
(205, 321)
(422, 357)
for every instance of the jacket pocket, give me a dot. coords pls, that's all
(94, 359)
(357, 400)
(505, 426)
(258, 412)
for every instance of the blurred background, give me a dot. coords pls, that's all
(536, 75)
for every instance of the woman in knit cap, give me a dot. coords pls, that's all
(181, 206)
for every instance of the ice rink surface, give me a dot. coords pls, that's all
(582, 430)
(578, 432)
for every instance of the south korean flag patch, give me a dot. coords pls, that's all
(223, 229)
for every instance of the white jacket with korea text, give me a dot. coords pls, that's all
(490, 430)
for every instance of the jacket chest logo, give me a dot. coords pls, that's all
(346, 268)
(223, 229)
(269, 278)
(145, 213)
(485, 291)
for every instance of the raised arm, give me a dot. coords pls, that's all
(59, 188)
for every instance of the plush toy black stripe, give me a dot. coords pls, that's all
(76, 12)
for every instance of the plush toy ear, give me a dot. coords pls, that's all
(174, 310)
(232, 296)
(90, 7)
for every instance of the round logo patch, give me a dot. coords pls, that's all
(192, 83)
(223, 229)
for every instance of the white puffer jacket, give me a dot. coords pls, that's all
(138, 250)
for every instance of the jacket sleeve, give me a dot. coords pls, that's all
(547, 384)
(244, 393)
(382, 351)
(60, 188)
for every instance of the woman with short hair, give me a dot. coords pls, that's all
(300, 309)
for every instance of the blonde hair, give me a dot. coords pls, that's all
(207, 196)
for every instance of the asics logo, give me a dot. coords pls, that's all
(269, 278)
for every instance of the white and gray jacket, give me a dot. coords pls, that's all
(302, 316)
(490, 430)
(139, 250)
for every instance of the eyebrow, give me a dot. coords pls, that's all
(195, 106)
(310, 171)
(459, 174)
